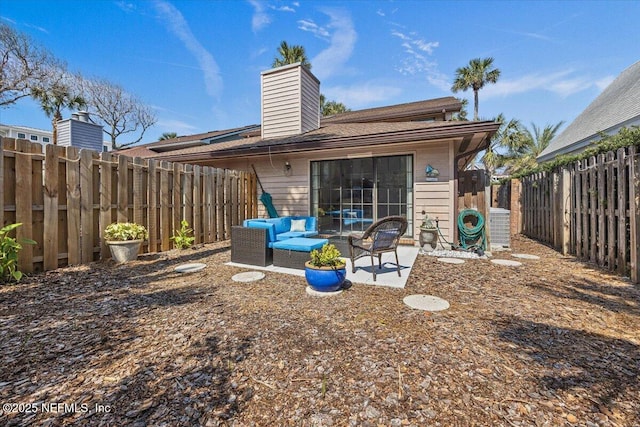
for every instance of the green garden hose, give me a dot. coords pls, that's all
(474, 236)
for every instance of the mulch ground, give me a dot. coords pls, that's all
(552, 343)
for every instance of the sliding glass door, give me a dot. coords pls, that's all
(350, 194)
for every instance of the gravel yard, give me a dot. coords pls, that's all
(552, 343)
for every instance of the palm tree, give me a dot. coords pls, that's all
(524, 151)
(167, 135)
(329, 108)
(507, 135)
(291, 55)
(475, 76)
(56, 95)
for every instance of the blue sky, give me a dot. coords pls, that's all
(197, 63)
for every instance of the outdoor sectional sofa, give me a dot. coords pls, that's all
(252, 243)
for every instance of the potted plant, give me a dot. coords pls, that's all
(325, 271)
(428, 234)
(124, 240)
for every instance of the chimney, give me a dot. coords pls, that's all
(290, 100)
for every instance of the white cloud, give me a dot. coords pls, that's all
(313, 28)
(380, 12)
(343, 39)
(260, 17)
(604, 82)
(361, 95)
(562, 83)
(283, 8)
(414, 62)
(177, 25)
(126, 6)
(177, 126)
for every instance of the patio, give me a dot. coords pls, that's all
(553, 342)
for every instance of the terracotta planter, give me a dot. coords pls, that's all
(125, 250)
(325, 279)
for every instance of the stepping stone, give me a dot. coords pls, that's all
(426, 302)
(506, 262)
(451, 260)
(314, 293)
(525, 256)
(190, 268)
(249, 276)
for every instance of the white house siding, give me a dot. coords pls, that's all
(290, 102)
(291, 196)
(310, 102)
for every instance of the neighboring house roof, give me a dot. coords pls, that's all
(411, 111)
(616, 107)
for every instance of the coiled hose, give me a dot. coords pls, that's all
(475, 236)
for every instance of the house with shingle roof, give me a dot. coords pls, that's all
(348, 169)
(618, 106)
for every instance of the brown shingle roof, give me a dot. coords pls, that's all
(411, 111)
(331, 136)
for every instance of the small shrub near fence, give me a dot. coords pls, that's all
(66, 197)
(590, 209)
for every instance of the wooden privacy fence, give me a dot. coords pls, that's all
(589, 209)
(474, 193)
(66, 197)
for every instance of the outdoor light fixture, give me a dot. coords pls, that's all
(287, 169)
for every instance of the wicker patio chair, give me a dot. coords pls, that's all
(380, 237)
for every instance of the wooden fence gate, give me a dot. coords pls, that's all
(66, 197)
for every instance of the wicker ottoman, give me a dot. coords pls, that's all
(293, 253)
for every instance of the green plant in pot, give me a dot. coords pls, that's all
(326, 270)
(124, 240)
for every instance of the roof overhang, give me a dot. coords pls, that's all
(474, 136)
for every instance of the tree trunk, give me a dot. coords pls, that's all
(475, 105)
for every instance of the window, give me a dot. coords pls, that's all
(45, 139)
(34, 137)
(21, 135)
(350, 194)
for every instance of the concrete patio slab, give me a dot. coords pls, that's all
(386, 276)
(426, 302)
(248, 276)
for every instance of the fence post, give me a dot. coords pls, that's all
(51, 185)
(515, 206)
(634, 213)
(565, 200)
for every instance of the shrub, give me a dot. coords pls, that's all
(121, 231)
(328, 256)
(9, 248)
(183, 238)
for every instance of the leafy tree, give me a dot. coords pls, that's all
(523, 151)
(167, 135)
(291, 55)
(118, 112)
(329, 108)
(474, 76)
(23, 64)
(57, 92)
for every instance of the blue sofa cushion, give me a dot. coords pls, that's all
(271, 229)
(293, 234)
(300, 244)
(279, 229)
